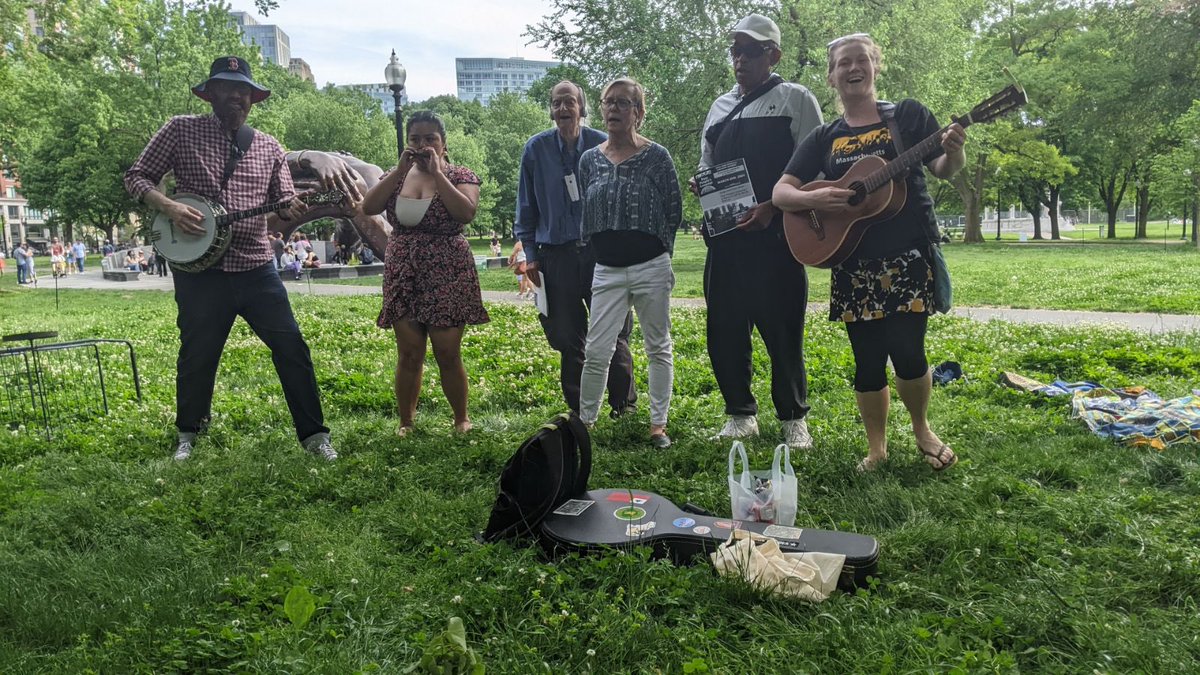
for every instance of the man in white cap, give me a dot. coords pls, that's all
(750, 278)
(240, 168)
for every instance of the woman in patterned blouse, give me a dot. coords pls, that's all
(632, 207)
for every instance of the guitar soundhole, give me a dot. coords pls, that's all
(860, 193)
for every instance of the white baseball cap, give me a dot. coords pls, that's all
(757, 27)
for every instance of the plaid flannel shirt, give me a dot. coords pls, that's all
(195, 149)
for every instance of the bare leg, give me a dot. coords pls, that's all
(915, 395)
(410, 365)
(873, 408)
(447, 349)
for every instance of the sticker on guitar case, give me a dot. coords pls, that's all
(639, 529)
(573, 507)
(701, 530)
(630, 513)
(626, 498)
(727, 525)
(683, 523)
(783, 532)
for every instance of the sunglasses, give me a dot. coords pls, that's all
(833, 43)
(750, 51)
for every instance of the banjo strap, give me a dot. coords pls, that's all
(237, 150)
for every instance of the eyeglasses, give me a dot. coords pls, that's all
(851, 36)
(618, 103)
(750, 51)
(564, 102)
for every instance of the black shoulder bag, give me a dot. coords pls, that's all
(713, 134)
(237, 150)
(943, 292)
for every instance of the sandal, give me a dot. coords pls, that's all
(940, 459)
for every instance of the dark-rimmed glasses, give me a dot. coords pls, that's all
(621, 104)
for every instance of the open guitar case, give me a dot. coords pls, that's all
(593, 521)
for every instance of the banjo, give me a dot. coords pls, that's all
(198, 252)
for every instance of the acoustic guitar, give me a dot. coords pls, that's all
(825, 238)
(198, 252)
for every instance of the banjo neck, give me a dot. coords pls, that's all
(310, 198)
(228, 218)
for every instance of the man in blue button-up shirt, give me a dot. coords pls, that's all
(549, 211)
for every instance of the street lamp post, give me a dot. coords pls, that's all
(395, 75)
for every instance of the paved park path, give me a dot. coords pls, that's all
(1145, 322)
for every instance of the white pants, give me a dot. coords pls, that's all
(646, 288)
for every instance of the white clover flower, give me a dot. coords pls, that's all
(456, 599)
(353, 581)
(160, 482)
(264, 575)
(591, 652)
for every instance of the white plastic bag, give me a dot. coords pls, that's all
(783, 486)
(744, 503)
(759, 500)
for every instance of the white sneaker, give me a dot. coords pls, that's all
(737, 426)
(795, 434)
(321, 447)
(183, 451)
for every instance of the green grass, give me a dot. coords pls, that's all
(1045, 549)
(1116, 277)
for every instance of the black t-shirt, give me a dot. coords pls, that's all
(834, 147)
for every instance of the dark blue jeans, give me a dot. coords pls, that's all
(208, 303)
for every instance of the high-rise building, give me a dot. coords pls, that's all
(479, 79)
(274, 44)
(301, 69)
(380, 93)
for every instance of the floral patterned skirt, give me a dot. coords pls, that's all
(862, 290)
(431, 279)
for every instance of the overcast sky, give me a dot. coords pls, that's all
(351, 43)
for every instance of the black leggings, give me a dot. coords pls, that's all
(900, 336)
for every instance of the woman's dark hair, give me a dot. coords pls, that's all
(429, 117)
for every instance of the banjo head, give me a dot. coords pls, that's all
(179, 247)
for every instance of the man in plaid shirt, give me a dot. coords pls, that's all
(243, 282)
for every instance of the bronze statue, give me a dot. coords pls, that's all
(318, 170)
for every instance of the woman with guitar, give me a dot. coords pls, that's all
(883, 288)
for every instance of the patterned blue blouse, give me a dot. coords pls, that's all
(640, 194)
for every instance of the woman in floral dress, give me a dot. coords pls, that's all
(430, 286)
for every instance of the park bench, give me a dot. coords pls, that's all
(121, 275)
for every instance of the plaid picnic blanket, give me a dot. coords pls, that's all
(1131, 415)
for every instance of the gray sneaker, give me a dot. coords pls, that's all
(737, 426)
(319, 445)
(795, 434)
(183, 451)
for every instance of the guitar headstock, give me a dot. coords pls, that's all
(995, 106)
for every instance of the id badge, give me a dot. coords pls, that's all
(572, 187)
